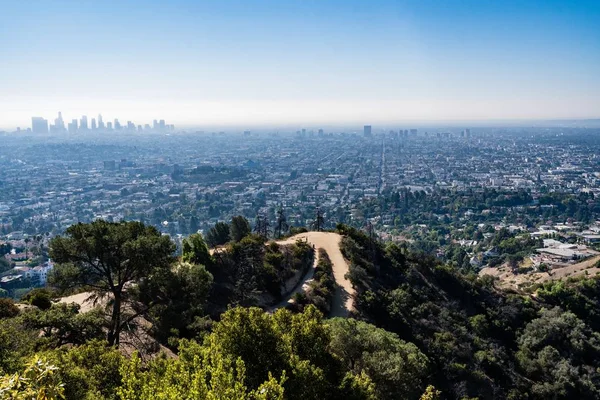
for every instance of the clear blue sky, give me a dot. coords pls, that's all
(280, 61)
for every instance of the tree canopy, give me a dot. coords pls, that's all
(106, 256)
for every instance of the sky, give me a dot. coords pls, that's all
(308, 62)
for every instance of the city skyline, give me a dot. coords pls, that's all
(40, 125)
(277, 63)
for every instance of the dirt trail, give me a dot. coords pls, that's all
(83, 299)
(330, 242)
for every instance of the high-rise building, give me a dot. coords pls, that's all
(73, 126)
(94, 127)
(109, 126)
(59, 124)
(117, 125)
(155, 125)
(100, 122)
(130, 126)
(161, 125)
(83, 125)
(367, 130)
(39, 125)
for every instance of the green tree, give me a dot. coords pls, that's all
(8, 308)
(198, 373)
(39, 297)
(239, 228)
(281, 226)
(107, 256)
(397, 368)
(218, 234)
(180, 296)
(63, 324)
(195, 250)
(89, 371)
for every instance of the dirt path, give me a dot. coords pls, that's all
(83, 299)
(330, 242)
(300, 287)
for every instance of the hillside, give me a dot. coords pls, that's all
(420, 329)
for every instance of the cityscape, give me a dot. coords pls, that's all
(300, 200)
(39, 125)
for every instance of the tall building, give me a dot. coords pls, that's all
(161, 125)
(94, 127)
(117, 125)
(367, 130)
(59, 124)
(39, 125)
(83, 125)
(100, 122)
(155, 125)
(73, 126)
(109, 126)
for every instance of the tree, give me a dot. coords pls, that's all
(319, 220)
(239, 228)
(195, 250)
(180, 295)
(63, 324)
(282, 225)
(8, 308)
(261, 226)
(194, 225)
(107, 256)
(27, 240)
(39, 297)
(397, 368)
(88, 371)
(218, 234)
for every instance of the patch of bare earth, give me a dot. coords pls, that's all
(508, 279)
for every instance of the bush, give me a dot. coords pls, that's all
(8, 308)
(41, 298)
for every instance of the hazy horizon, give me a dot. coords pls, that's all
(301, 63)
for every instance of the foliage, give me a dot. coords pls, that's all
(195, 250)
(63, 324)
(89, 371)
(561, 355)
(37, 381)
(239, 228)
(106, 256)
(197, 374)
(39, 297)
(218, 235)
(321, 288)
(8, 308)
(246, 272)
(398, 369)
(175, 299)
